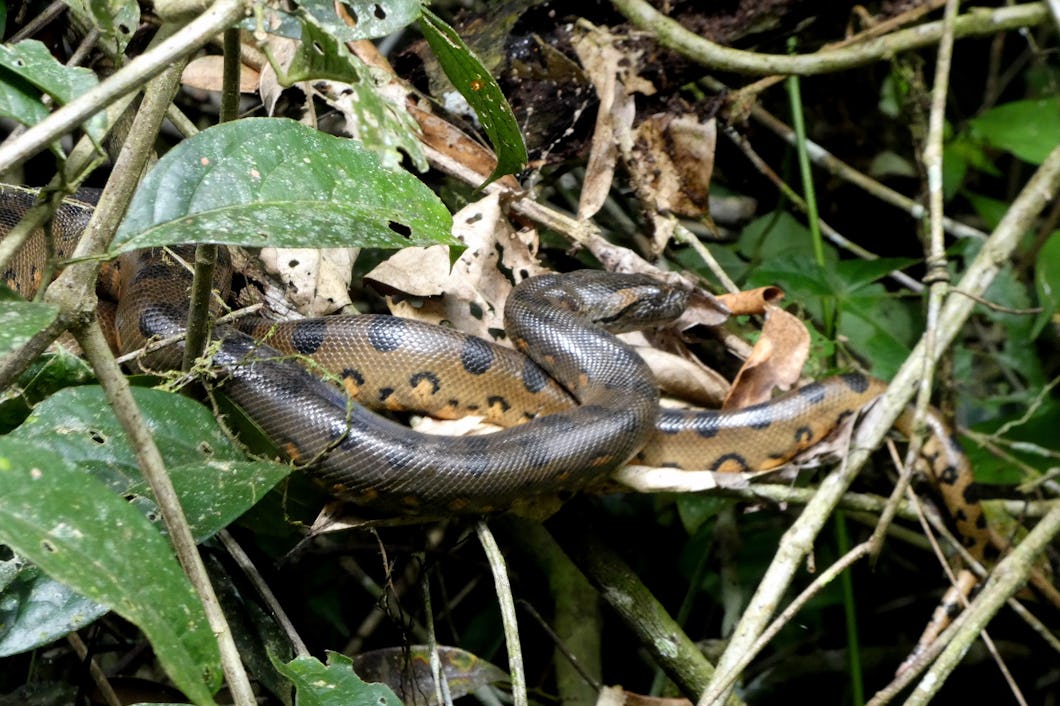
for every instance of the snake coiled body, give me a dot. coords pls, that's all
(588, 405)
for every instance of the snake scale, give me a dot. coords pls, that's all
(588, 405)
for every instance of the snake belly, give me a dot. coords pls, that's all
(588, 405)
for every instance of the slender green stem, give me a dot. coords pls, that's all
(798, 122)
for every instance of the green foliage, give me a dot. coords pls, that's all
(381, 126)
(115, 19)
(214, 481)
(20, 320)
(28, 69)
(1047, 282)
(235, 184)
(480, 90)
(334, 684)
(1029, 129)
(73, 528)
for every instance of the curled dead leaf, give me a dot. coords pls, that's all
(751, 302)
(775, 362)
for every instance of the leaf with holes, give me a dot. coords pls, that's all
(379, 124)
(115, 19)
(274, 182)
(364, 19)
(214, 483)
(481, 92)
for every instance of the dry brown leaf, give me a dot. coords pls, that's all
(205, 73)
(670, 164)
(704, 309)
(602, 61)
(453, 143)
(417, 271)
(685, 378)
(471, 297)
(775, 362)
(317, 282)
(617, 696)
(751, 302)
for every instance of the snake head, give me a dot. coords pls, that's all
(630, 302)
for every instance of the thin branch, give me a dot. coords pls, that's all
(507, 605)
(672, 35)
(134, 75)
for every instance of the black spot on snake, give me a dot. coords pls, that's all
(387, 334)
(476, 356)
(153, 271)
(728, 458)
(803, 435)
(706, 425)
(855, 381)
(426, 375)
(948, 475)
(385, 393)
(758, 416)
(308, 336)
(971, 494)
(353, 374)
(814, 392)
(534, 378)
(498, 401)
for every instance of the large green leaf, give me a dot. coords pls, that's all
(274, 182)
(1047, 281)
(480, 90)
(76, 530)
(214, 484)
(32, 64)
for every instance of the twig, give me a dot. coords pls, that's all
(672, 35)
(262, 587)
(826, 577)
(138, 72)
(1007, 578)
(508, 617)
(796, 199)
(442, 694)
(835, 166)
(74, 290)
